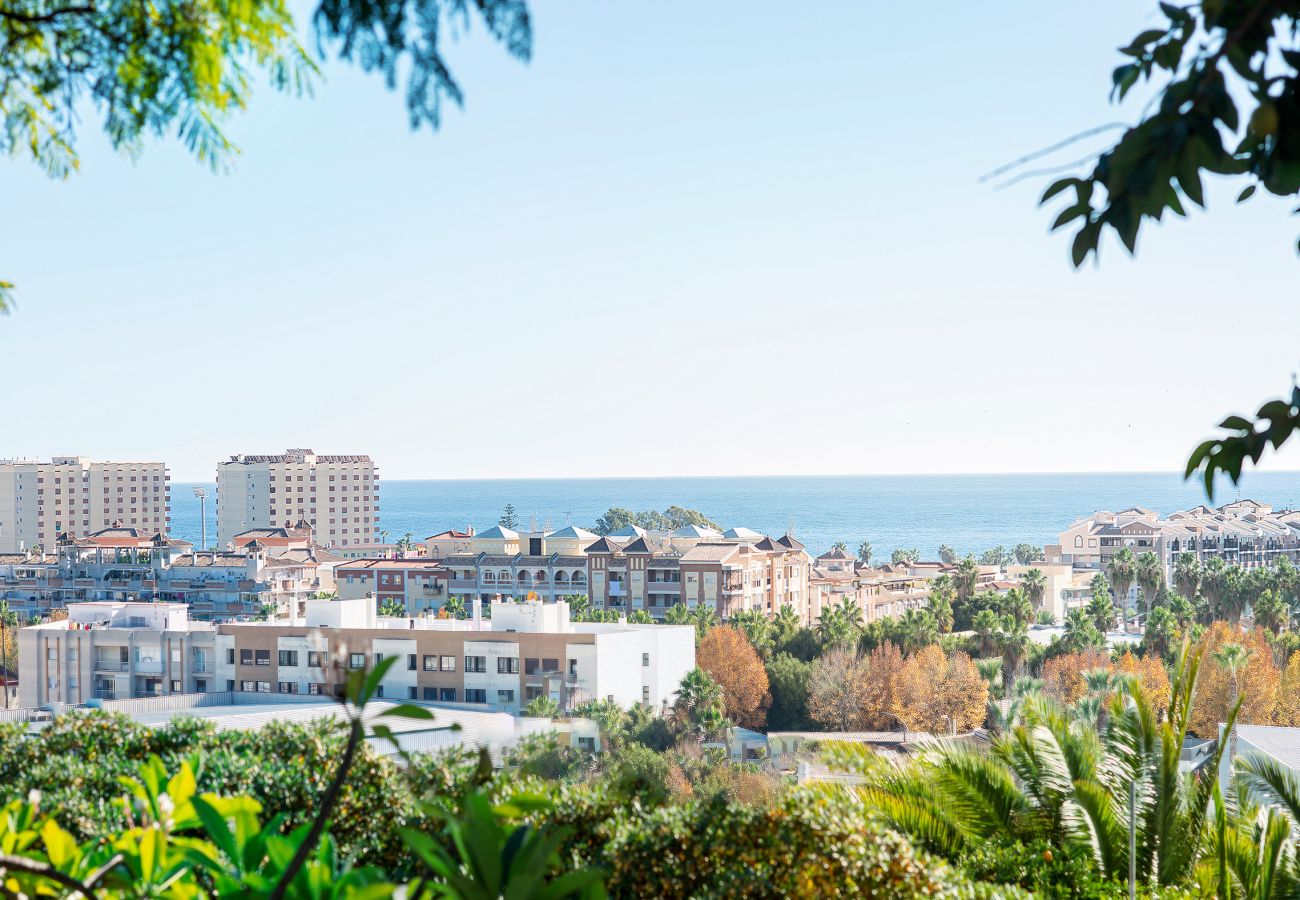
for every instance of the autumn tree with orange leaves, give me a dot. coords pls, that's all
(934, 692)
(1152, 678)
(727, 655)
(1257, 683)
(1288, 694)
(1063, 675)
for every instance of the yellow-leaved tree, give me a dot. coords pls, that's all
(1256, 682)
(935, 692)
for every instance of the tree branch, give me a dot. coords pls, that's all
(45, 18)
(44, 870)
(327, 806)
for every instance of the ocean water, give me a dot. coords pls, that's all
(968, 512)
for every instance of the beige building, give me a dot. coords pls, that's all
(449, 543)
(336, 496)
(72, 495)
(727, 576)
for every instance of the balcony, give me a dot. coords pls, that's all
(148, 666)
(111, 665)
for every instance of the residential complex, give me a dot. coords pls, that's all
(420, 585)
(336, 496)
(70, 494)
(124, 564)
(525, 650)
(1244, 532)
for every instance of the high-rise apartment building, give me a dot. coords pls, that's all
(338, 496)
(41, 500)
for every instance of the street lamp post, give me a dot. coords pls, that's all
(202, 494)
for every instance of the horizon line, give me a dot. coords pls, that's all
(449, 478)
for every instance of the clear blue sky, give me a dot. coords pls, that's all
(688, 238)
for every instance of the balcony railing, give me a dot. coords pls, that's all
(112, 665)
(148, 666)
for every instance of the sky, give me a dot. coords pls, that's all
(686, 238)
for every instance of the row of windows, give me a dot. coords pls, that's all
(506, 665)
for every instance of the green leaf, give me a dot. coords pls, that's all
(408, 711)
(1246, 194)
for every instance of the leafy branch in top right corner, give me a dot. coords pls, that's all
(1273, 424)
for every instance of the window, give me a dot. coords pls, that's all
(430, 694)
(379, 657)
(475, 695)
(411, 693)
(245, 657)
(532, 692)
(447, 695)
(176, 687)
(313, 659)
(356, 661)
(532, 666)
(645, 659)
(645, 693)
(264, 687)
(476, 664)
(379, 691)
(230, 656)
(263, 657)
(573, 668)
(246, 686)
(508, 665)
(587, 743)
(505, 696)
(1078, 540)
(410, 663)
(430, 663)
(230, 684)
(287, 687)
(288, 658)
(314, 688)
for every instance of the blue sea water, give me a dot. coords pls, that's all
(969, 512)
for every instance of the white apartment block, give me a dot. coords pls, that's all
(116, 651)
(338, 496)
(72, 495)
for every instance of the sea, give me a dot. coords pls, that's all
(970, 513)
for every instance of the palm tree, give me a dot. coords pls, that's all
(392, 608)
(1234, 593)
(641, 617)
(1047, 779)
(757, 628)
(454, 607)
(1102, 611)
(940, 605)
(833, 630)
(1016, 605)
(1287, 578)
(1161, 628)
(1213, 581)
(785, 624)
(542, 707)
(986, 625)
(1034, 584)
(864, 552)
(697, 694)
(678, 614)
(1122, 572)
(947, 555)
(1013, 639)
(1080, 631)
(1187, 574)
(579, 604)
(1271, 613)
(918, 630)
(965, 577)
(1232, 658)
(1150, 575)
(1021, 691)
(704, 617)
(8, 620)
